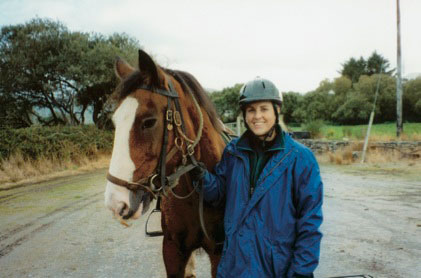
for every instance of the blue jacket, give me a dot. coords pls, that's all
(275, 233)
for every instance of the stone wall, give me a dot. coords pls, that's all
(322, 146)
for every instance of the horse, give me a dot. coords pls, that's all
(165, 121)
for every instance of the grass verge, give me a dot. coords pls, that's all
(390, 162)
(19, 170)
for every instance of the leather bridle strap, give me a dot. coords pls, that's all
(133, 186)
(162, 161)
(171, 179)
(172, 93)
(177, 105)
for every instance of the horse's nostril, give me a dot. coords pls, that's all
(123, 209)
(129, 214)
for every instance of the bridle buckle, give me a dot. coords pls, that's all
(177, 118)
(169, 115)
(152, 185)
(190, 150)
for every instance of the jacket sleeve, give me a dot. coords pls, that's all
(308, 195)
(214, 183)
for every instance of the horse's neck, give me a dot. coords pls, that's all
(211, 144)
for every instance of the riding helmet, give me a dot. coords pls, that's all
(259, 89)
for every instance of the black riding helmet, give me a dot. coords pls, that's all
(260, 89)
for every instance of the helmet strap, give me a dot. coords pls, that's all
(275, 109)
(268, 135)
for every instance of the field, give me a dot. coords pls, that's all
(379, 132)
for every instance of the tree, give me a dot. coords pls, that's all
(52, 76)
(386, 100)
(355, 110)
(315, 105)
(13, 112)
(342, 85)
(226, 102)
(412, 100)
(97, 74)
(291, 101)
(354, 68)
(34, 65)
(375, 64)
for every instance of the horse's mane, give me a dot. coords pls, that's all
(188, 83)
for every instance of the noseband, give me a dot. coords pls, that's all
(181, 143)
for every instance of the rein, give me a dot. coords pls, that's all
(182, 144)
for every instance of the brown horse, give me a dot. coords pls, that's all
(142, 125)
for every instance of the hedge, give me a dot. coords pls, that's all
(58, 141)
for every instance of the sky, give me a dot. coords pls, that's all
(294, 43)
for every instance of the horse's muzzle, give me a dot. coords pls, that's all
(125, 203)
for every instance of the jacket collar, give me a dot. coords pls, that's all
(244, 142)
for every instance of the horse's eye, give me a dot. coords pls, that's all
(148, 123)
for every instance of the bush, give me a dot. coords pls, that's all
(330, 134)
(63, 142)
(314, 127)
(347, 131)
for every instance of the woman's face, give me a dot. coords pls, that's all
(260, 117)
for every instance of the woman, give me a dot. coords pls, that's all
(272, 190)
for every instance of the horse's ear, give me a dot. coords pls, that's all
(122, 69)
(148, 66)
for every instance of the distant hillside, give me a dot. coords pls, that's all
(44, 112)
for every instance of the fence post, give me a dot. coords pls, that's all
(370, 123)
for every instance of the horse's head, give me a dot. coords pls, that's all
(142, 123)
(138, 122)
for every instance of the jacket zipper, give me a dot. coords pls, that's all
(270, 172)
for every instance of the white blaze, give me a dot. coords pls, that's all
(121, 165)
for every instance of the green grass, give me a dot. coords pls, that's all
(412, 131)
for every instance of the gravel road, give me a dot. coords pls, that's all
(61, 229)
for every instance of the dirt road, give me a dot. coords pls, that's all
(61, 229)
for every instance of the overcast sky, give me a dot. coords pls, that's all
(294, 43)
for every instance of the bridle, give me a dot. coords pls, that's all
(181, 143)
